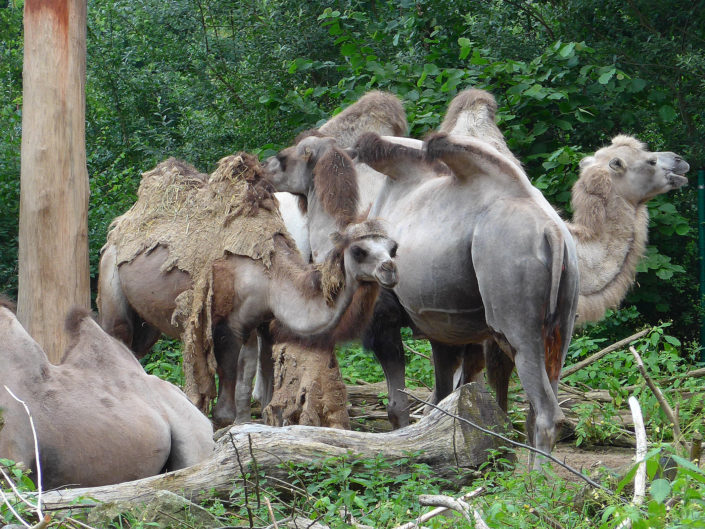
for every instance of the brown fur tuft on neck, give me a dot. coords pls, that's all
(74, 319)
(259, 192)
(7, 303)
(335, 182)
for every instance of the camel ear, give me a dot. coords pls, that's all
(617, 165)
(588, 160)
(337, 238)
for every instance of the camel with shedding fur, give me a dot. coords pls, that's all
(306, 300)
(100, 419)
(455, 284)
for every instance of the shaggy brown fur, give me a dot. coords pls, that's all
(376, 111)
(335, 181)
(372, 149)
(7, 303)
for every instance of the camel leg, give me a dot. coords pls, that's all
(383, 337)
(447, 359)
(473, 364)
(265, 373)
(226, 347)
(499, 371)
(545, 414)
(246, 368)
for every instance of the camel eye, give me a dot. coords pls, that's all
(358, 253)
(393, 251)
(652, 161)
(282, 161)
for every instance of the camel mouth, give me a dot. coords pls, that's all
(386, 275)
(677, 180)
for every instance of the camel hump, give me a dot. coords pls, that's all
(74, 319)
(623, 140)
(7, 303)
(475, 101)
(376, 111)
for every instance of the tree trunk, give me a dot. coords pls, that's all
(53, 231)
(440, 441)
(308, 389)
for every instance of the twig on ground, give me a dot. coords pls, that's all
(549, 520)
(79, 523)
(479, 522)
(677, 438)
(244, 481)
(520, 445)
(414, 351)
(271, 513)
(435, 512)
(43, 520)
(640, 476)
(448, 503)
(594, 358)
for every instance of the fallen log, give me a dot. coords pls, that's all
(448, 446)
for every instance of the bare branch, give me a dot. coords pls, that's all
(640, 477)
(414, 351)
(594, 358)
(677, 438)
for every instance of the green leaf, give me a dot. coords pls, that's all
(605, 77)
(568, 50)
(660, 489)
(667, 113)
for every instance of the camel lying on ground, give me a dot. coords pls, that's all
(309, 302)
(456, 283)
(100, 419)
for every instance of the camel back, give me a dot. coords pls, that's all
(200, 219)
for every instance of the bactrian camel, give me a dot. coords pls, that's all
(308, 301)
(450, 206)
(471, 113)
(99, 418)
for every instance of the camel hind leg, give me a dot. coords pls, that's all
(115, 315)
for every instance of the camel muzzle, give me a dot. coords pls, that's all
(386, 274)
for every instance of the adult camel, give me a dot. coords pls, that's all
(100, 419)
(139, 296)
(450, 206)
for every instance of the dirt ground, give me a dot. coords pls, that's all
(587, 459)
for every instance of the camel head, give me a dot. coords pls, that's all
(317, 163)
(368, 253)
(627, 169)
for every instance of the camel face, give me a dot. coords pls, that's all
(292, 169)
(373, 260)
(639, 175)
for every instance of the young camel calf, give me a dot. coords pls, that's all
(99, 418)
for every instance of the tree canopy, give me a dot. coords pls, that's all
(200, 79)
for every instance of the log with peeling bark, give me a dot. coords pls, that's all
(438, 440)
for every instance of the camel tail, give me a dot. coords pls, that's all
(552, 336)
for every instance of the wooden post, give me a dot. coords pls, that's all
(53, 231)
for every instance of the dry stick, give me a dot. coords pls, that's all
(659, 396)
(448, 503)
(516, 443)
(640, 477)
(415, 351)
(36, 455)
(244, 481)
(435, 512)
(594, 358)
(271, 513)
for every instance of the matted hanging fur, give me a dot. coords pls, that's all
(200, 219)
